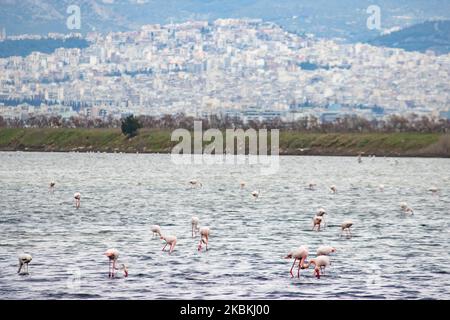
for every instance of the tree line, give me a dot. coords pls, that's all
(394, 123)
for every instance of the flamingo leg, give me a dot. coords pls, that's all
(109, 269)
(164, 247)
(20, 268)
(292, 268)
(300, 264)
(172, 246)
(114, 268)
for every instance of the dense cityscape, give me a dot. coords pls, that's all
(249, 69)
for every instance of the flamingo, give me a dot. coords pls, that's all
(316, 222)
(170, 240)
(300, 254)
(311, 186)
(325, 250)
(204, 234)
(333, 189)
(381, 187)
(433, 190)
(51, 187)
(77, 197)
(156, 230)
(321, 213)
(255, 194)
(242, 184)
(195, 183)
(195, 228)
(345, 226)
(113, 256)
(320, 263)
(24, 260)
(406, 209)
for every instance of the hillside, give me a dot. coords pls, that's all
(291, 143)
(431, 35)
(25, 47)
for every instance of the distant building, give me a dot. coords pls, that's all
(445, 115)
(328, 117)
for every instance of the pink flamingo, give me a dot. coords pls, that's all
(317, 220)
(298, 254)
(170, 240)
(204, 234)
(77, 197)
(113, 255)
(320, 263)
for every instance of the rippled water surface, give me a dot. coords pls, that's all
(390, 255)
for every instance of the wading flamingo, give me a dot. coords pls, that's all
(320, 263)
(170, 240)
(300, 254)
(24, 260)
(204, 234)
(51, 187)
(195, 183)
(316, 222)
(325, 250)
(255, 194)
(345, 226)
(113, 256)
(156, 230)
(195, 228)
(77, 197)
(405, 208)
(321, 213)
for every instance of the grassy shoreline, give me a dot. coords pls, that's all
(291, 143)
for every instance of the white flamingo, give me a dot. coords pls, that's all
(325, 250)
(300, 254)
(195, 228)
(24, 260)
(405, 208)
(156, 230)
(321, 213)
(312, 186)
(170, 240)
(51, 187)
(204, 234)
(433, 190)
(195, 183)
(381, 187)
(345, 227)
(320, 263)
(316, 222)
(77, 197)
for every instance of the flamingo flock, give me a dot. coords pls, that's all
(300, 255)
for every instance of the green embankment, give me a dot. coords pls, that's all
(158, 141)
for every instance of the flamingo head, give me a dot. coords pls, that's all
(289, 256)
(333, 250)
(125, 270)
(317, 272)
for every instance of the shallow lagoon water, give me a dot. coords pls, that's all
(390, 256)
